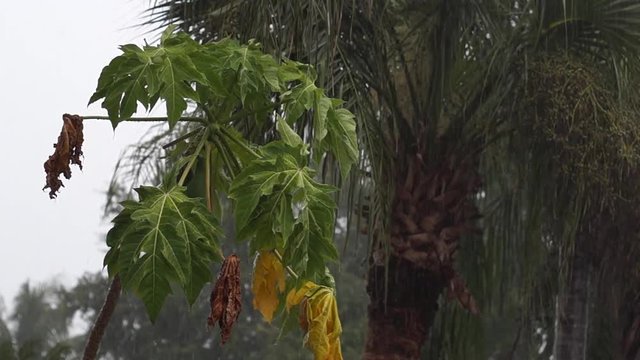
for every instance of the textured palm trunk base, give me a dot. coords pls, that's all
(433, 207)
(400, 329)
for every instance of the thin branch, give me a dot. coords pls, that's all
(209, 114)
(222, 153)
(148, 119)
(183, 137)
(246, 147)
(100, 325)
(194, 157)
(207, 176)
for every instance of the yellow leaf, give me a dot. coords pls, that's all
(268, 281)
(319, 316)
(294, 297)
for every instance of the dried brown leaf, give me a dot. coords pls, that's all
(68, 150)
(226, 297)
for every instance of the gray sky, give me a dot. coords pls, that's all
(52, 53)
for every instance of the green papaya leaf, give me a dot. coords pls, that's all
(298, 100)
(165, 237)
(341, 139)
(141, 76)
(287, 134)
(276, 197)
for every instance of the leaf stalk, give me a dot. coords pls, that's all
(148, 119)
(289, 269)
(194, 157)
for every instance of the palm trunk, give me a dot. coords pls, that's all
(408, 273)
(572, 311)
(631, 330)
(399, 328)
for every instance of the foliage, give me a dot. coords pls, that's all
(318, 318)
(221, 78)
(268, 282)
(38, 326)
(575, 122)
(449, 73)
(164, 236)
(560, 91)
(281, 206)
(432, 80)
(179, 332)
(167, 238)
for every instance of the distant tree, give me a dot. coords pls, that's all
(41, 326)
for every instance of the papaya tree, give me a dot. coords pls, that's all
(168, 239)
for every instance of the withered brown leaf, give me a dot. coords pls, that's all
(68, 150)
(226, 297)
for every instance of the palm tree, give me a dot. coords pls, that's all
(578, 139)
(615, 321)
(558, 184)
(41, 326)
(446, 91)
(373, 53)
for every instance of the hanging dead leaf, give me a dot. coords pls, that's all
(268, 282)
(226, 297)
(319, 318)
(68, 150)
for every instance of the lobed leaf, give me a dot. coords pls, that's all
(319, 318)
(163, 238)
(277, 198)
(268, 282)
(341, 138)
(225, 77)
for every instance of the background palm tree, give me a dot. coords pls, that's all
(563, 175)
(534, 97)
(40, 326)
(382, 58)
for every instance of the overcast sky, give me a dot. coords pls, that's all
(52, 53)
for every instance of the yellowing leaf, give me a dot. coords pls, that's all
(268, 281)
(319, 317)
(294, 297)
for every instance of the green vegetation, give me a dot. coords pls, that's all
(499, 163)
